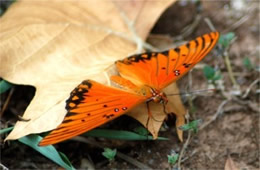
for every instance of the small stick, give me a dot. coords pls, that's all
(7, 102)
(229, 68)
(3, 167)
(184, 148)
(211, 26)
(249, 88)
(214, 117)
(238, 23)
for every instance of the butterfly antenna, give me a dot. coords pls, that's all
(193, 92)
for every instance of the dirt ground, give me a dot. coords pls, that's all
(234, 132)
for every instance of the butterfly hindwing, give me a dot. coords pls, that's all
(91, 104)
(160, 69)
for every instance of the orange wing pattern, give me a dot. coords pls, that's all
(90, 105)
(158, 70)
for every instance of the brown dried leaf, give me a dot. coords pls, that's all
(54, 45)
(230, 165)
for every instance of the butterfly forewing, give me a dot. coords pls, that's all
(91, 104)
(160, 69)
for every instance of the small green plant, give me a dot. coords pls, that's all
(247, 63)
(172, 159)
(109, 154)
(211, 74)
(193, 125)
(225, 39)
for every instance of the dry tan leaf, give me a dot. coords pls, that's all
(54, 45)
(230, 165)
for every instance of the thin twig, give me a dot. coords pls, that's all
(214, 117)
(3, 167)
(189, 29)
(211, 26)
(249, 88)
(119, 154)
(184, 147)
(237, 23)
(229, 68)
(7, 102)
(249, 104)
(190, 155)
(132, 161)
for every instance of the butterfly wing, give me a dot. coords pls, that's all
(91, 104)
(160, 69)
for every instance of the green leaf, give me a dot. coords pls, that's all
(193, 125)
(4, 86)
(141, 131)
(247, 63)
(217, 76)
(109, 153)
(209, 72)
(2, 131)
(119, 134)
(65, 158)
(172, 159)
(48, 151)
(225, 39)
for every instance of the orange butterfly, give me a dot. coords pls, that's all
(143, 76)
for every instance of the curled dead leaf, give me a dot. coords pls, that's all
(230, 165)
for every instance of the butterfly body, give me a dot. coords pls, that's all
(150, 93)
(142, 79)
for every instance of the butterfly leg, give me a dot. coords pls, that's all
(166, 110)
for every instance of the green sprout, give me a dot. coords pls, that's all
(211, 74)
(172, 159)
(225, 39)
(109, 154)
(247, 63)
(193, 125)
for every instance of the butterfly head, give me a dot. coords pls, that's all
(159, 97)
